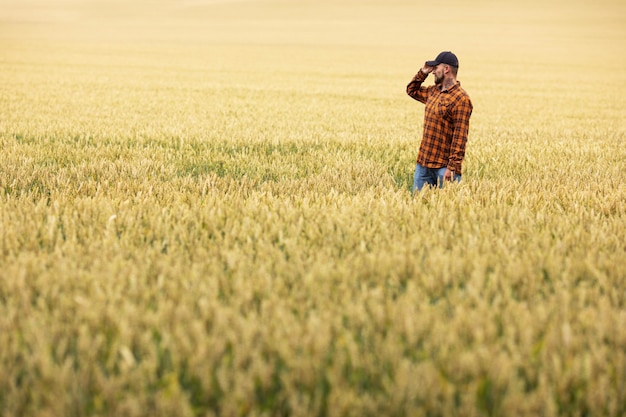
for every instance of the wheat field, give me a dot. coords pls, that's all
(206, 210)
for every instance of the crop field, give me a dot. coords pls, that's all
(206, 210)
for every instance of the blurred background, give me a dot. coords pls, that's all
(328, 46)
(492, 27)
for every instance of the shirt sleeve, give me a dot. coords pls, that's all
(461, 117)
(415, 89)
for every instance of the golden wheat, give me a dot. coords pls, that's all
(206, 211)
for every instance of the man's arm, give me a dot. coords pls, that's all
(461, 115)
(414, 88)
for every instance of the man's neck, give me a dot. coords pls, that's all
(447, 83)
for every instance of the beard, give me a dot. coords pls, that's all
(438, 79)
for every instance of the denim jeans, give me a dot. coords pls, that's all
(430, 176)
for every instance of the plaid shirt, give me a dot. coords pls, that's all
(446, 123)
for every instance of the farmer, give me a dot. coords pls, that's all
(446, 122)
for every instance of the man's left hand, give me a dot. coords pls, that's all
(448, 175)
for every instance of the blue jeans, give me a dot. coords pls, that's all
(430, 176)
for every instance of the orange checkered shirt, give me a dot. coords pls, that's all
(446, 123)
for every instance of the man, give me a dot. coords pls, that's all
(446, 122)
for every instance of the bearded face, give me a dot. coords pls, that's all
(438, 73)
